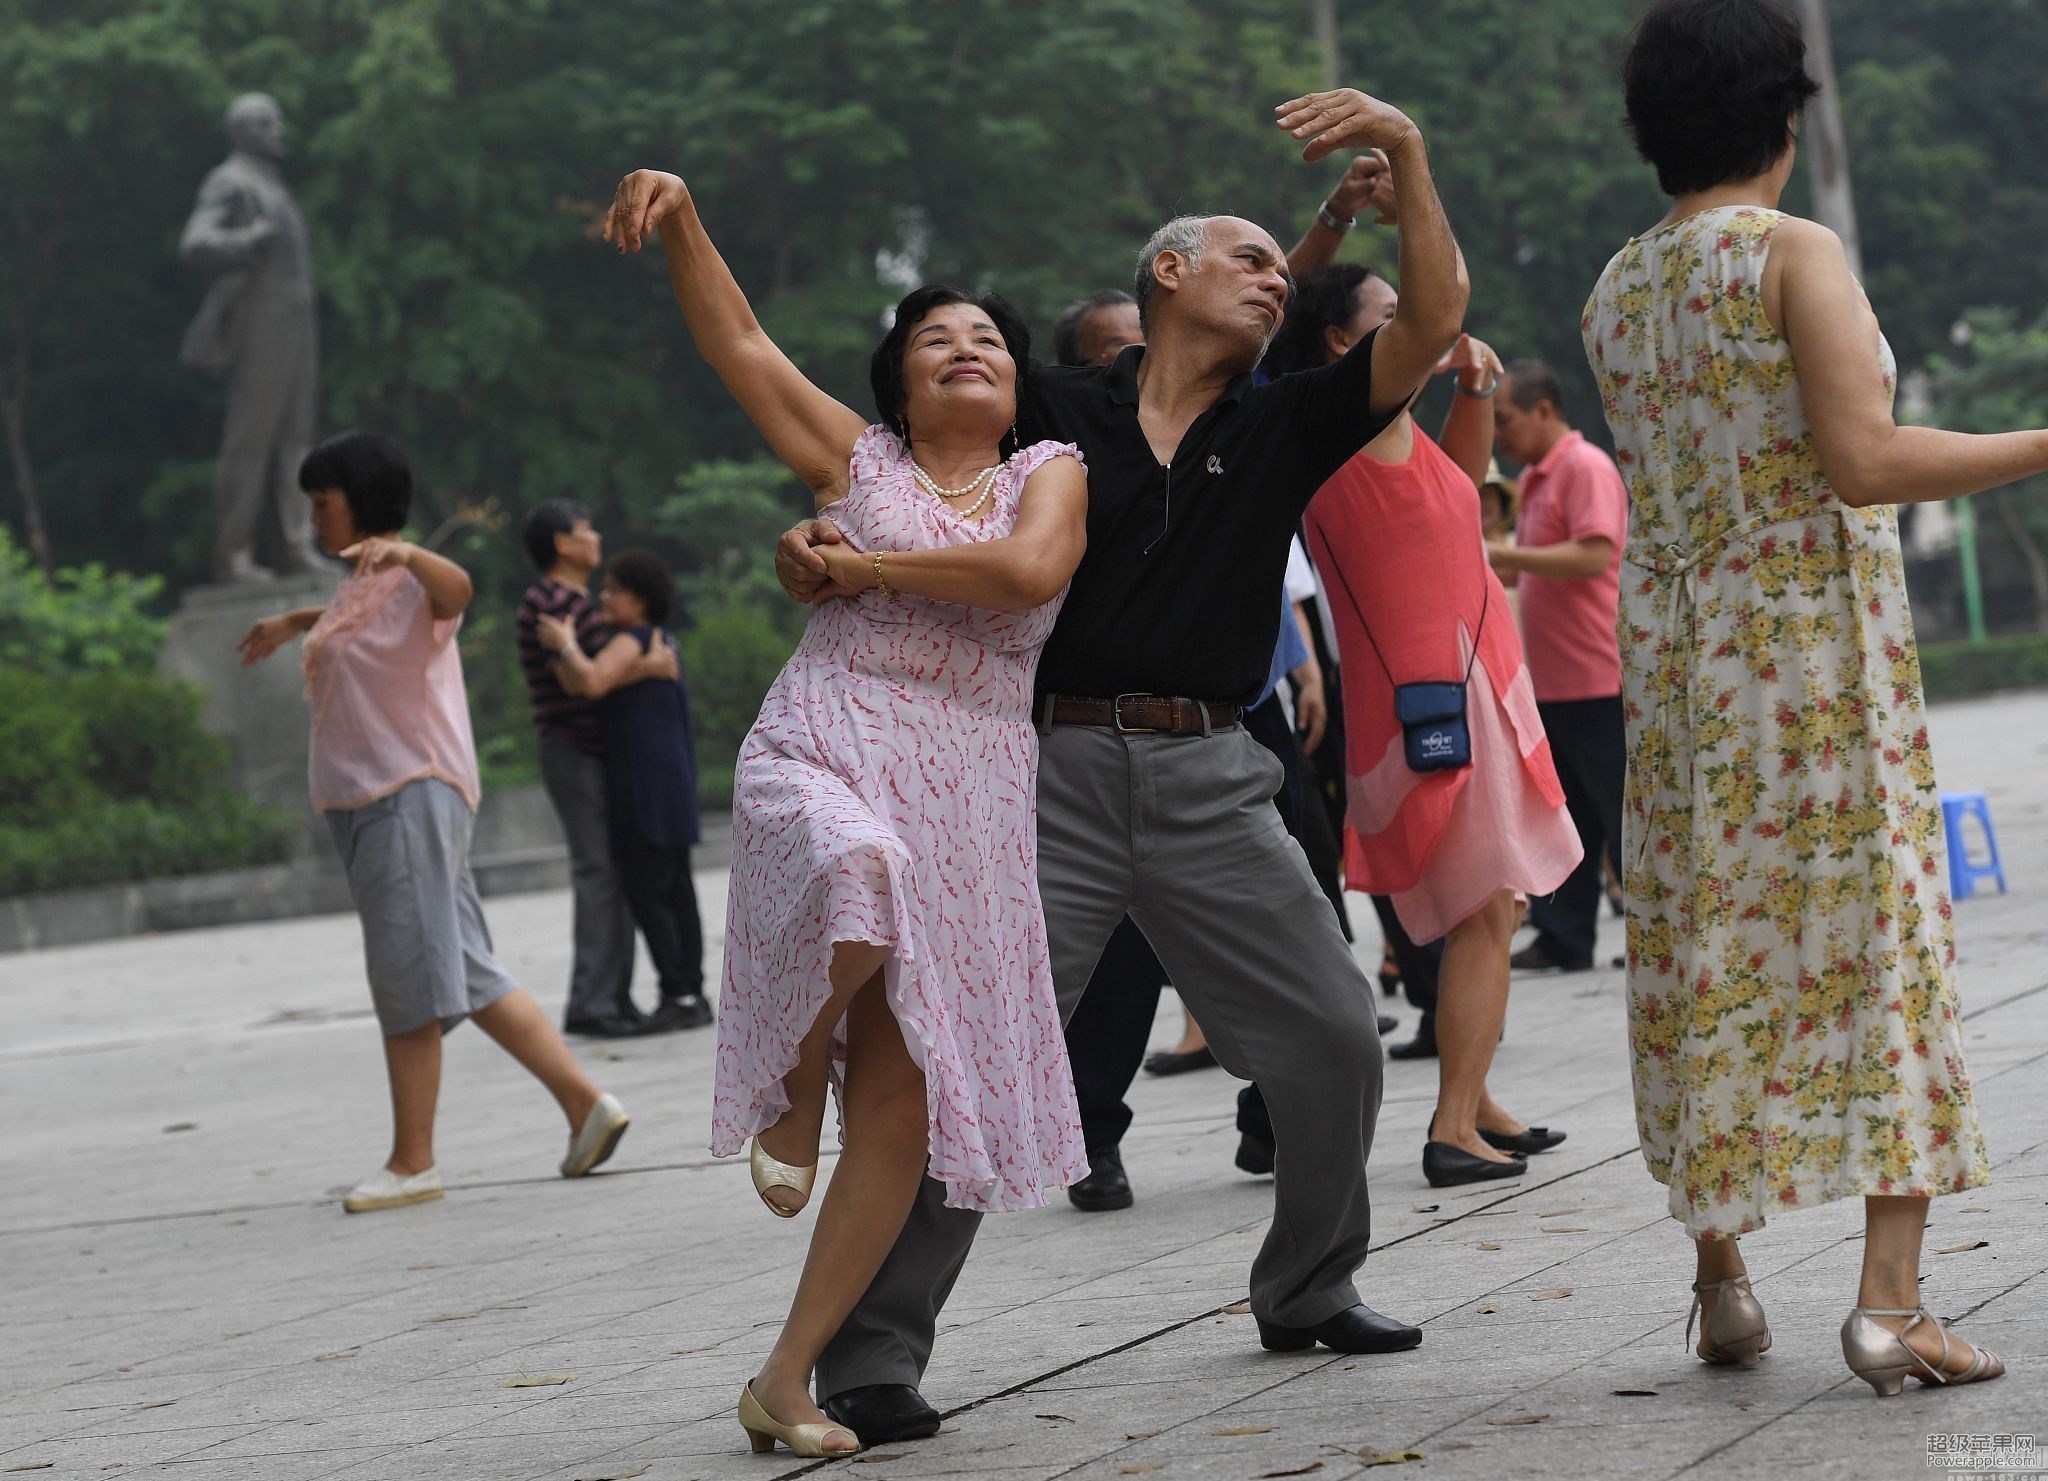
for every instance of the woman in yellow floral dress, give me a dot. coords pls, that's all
(1792, 1000)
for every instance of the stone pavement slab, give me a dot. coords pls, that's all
(180, 1294)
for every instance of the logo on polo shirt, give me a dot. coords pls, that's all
(1215, 464)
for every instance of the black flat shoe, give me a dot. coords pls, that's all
(1535, 1139)
(1536, 957)
(1360, 1329)
(1166, 1062)
(1106, 1188)
(1447, 1166)
(675, 1014)
(882, 1412)
(605, 1028)
(1387, 1024)
(1390, 979)
(1254, 1155)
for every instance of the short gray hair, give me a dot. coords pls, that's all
(1186, 235)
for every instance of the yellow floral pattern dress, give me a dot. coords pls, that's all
(1792, 998)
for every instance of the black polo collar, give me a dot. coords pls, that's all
(1123, 379)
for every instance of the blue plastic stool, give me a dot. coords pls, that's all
(1963, 874)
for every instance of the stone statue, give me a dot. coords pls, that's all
(257, 327)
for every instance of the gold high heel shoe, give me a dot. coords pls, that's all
(1735, 1331)
(808, 1440)
(770, 1174)
(1883, 1358)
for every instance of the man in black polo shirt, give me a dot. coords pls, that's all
(1152, 799)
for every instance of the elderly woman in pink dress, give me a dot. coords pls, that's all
(1452, 838)
(393, 771)
(884, 932)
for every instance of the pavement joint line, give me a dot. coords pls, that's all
(2003, 1002)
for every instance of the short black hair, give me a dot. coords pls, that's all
(646, 576)
(372, 474)
(1531, 381)
(1323, 300)
(1066, 329)
(885, 370)
(1711, 88)
(537, 535)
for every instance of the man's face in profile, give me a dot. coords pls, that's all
(1107, 330)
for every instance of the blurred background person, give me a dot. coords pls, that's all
(566, 550)
(650, 773)
(393, 770)
(1565, 565)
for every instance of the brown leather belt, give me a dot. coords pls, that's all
(1146, 714)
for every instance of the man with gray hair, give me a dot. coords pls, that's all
(257, 326)
(1152, 799)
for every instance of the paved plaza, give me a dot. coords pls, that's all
(181, 1295)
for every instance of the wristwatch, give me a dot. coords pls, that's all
(1336, 223)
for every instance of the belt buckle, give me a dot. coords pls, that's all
(1116, 717)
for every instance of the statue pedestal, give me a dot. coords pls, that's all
(260, 710)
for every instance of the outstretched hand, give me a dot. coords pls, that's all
(1369, 181)
(265, 638)
(642, 202)
(1345, 117)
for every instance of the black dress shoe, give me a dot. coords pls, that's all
(1388, 1023)
(882, 1412)
(1422, 1046)
(1537, 957)
(1447, 1166)
(1360, 1329)
(1106, 1187)
(1535, 1139)
(1254, 1154)
(689, 1011)
(1166, 1062)
(605, 1028)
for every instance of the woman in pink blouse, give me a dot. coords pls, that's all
(393, 769)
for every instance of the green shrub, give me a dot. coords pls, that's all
(111, 839)
(85, 619)
(1958, 670)
(730, 657)
(108, 775)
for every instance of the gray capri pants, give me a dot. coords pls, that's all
(424, 939)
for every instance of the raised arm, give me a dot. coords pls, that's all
(1434, 288)
(447, 585)
(1024, 569)
(812, 433)
(1467, 433)
(1815, 302)
(1365, 183)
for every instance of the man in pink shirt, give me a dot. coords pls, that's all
(1565, 562)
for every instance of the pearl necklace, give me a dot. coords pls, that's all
(985, 481)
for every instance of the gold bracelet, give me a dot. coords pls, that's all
(881, 581)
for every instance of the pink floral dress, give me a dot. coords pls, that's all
(887, 794)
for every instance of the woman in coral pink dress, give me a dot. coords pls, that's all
(1396, 536)
(884, 930)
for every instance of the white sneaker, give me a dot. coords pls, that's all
(599, 1136)
(386, 1189)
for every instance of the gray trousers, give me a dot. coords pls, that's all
(268, 433)
(601, 976)
(1181, 833)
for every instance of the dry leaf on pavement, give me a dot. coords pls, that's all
(1486, 1244)
(34, 1465)
(1314, 1465)
(1238, 1308)
(1157, 1465)
(1390, 1457)
(1246, 1429)
(1963, 1249)
(1557, 1295)
(1491, 1308)
(335, 1357)
(1424, 1208)
(1563, 1228)
(1521, 1419)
